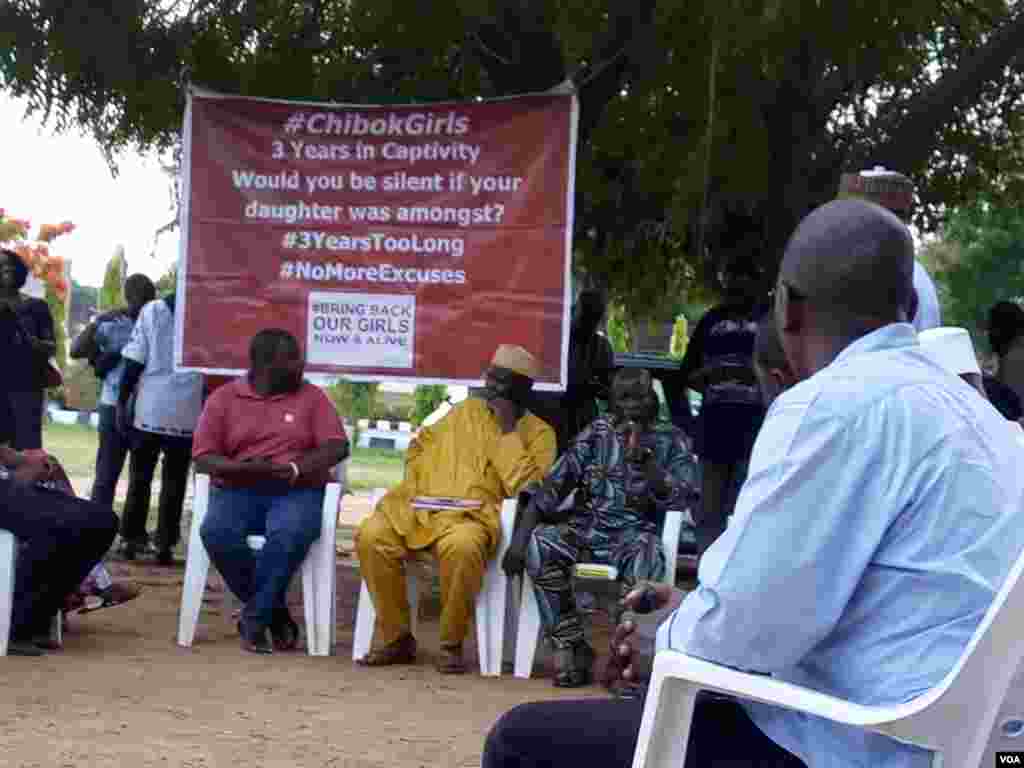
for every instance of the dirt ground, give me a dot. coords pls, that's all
(122, 693)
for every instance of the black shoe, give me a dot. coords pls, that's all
(15, 648)
(132, 548)
(574, 666)
(284, 631)
(254, 640)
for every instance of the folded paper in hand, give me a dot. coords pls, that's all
(445, 502)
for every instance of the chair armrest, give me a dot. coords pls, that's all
(508, 520)
(339, 473)
(670, 531)
(705, 675)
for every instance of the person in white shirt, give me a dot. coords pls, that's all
(927, 313)
(883, 509)
(166, 410)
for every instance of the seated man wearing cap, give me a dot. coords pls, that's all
(457, 474)
(628, 470)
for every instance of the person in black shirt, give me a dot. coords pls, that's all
(719, 364)
(1003, 398)
(26, 344)
(591, 361)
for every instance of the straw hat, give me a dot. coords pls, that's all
(950, 348)
(516, 359)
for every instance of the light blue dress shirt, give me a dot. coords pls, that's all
(883, 508)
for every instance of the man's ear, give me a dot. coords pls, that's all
(790, 314)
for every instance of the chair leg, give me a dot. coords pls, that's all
(310, 589)
(8, 551)
(318, 588)
(322, 559)
(412, 593)
(528, 631)
(57, 629)
(490, 619)
(366, 616)
(197, 567)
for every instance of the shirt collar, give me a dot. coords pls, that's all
(892, 336)
(245, 390)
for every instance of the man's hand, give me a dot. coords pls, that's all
(657, 478)
(623, 662)
(280, 472)
(506, 412)
(514, 562)
(33, 470)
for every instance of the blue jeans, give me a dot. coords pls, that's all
(290, 520)
(110, 456)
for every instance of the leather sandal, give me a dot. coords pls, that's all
(401, 651)
(574, 666)
(451, 661)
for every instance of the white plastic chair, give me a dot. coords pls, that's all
(490, 602)
(8, 565)
(528, 631)
(318, 573)
(954, 719)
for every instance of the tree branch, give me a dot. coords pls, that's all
(913, 127)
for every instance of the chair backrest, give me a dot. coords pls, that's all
(957, 715)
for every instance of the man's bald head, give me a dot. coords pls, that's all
(854, 259)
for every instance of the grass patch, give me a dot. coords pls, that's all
(75, 446)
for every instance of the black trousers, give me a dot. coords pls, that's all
(720, 487)
(110, 456)
(27, 412)
(146, 448)
(602, 733)
(61, 538)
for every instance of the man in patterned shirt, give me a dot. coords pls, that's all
(627, 471)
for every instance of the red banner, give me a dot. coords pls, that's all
(395, 242)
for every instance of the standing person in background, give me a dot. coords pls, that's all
(27, 342)
(895, 192)
(591, 361)
(719, 364)
(166, 409)
(101, 343)
(1006, 337)
(590, 366)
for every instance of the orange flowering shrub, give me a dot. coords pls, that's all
(46, 266)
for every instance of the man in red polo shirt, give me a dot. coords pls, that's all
(269, 440)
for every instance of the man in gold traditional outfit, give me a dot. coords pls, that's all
(457, 474)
